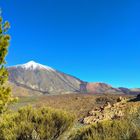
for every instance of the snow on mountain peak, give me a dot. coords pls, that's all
(31, 65)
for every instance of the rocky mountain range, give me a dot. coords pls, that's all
(33, 78)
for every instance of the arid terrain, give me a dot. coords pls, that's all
(79, 104)
(83, 107)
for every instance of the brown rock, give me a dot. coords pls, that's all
(107, 112)
(108, 106)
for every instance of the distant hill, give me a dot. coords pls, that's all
(101, 88)
(130, 91)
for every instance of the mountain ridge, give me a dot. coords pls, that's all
(42, 78)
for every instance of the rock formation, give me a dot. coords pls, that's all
(107, 112)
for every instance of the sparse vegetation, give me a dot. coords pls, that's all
(34, 124)
(126, 128)
(113, 130)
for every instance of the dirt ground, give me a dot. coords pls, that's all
(78, 104)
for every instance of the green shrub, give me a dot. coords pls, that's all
(127, 128)
(112, 130)
(34, 124)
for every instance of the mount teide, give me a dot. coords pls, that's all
(44, 79)
(34, 78)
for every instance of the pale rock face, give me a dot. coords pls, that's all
(31, 65)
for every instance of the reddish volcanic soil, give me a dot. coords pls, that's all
(96, 88)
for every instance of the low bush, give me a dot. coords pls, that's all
(110, 130)
(34, 124)
(127, 128)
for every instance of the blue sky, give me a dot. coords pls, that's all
(94, 40)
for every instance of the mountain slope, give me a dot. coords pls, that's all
(101, 88)
(20, 91)
(44, 79)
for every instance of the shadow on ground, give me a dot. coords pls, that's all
(136, 99)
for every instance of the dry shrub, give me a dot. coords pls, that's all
(34, 124)
(127, 128)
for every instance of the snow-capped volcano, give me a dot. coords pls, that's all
(31, 65)
(43, 78)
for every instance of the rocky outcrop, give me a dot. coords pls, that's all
(107, 112)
